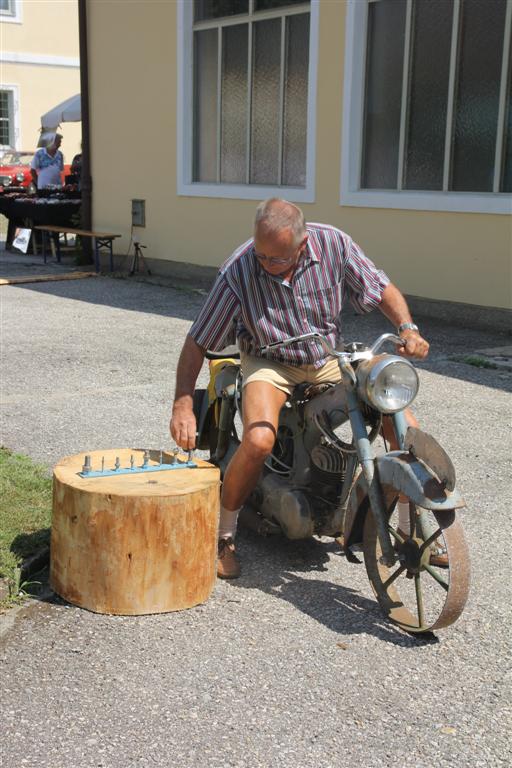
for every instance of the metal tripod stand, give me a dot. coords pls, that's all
(138, 264)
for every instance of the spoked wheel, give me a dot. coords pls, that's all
(425, 589)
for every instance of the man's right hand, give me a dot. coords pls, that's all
(183, 424)
(183, 421)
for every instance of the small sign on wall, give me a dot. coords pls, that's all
(22, 239)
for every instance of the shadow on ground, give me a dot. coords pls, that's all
(181, 301)
(450, 343)
(26, 544)
(274, 565)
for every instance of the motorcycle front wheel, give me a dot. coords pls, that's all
(427, 588)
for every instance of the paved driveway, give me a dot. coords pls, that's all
(291, 666)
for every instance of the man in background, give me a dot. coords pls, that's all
(48, 164)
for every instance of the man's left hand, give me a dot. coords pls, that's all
(415, 345)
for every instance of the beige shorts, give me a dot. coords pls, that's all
(286, 377)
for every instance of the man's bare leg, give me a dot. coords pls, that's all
(388, 429)
(261, 405)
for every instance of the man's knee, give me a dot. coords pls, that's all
(258, 441)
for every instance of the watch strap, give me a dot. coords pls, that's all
(407, 327)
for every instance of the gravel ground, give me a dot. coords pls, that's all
(292, 665)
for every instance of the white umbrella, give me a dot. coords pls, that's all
(69, 111)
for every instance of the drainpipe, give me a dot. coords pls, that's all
(86, 180)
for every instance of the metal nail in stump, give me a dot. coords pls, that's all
(146, 459)
(131, 461)
(87, 465)
(118, 463)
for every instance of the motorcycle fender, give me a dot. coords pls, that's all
(425, 447)
(223, 374)
(408, 475)
(225, 377)
(205, 420)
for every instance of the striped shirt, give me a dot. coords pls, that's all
(258, 308)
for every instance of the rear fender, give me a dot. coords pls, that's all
(223, 376)
(205, 418)
(403, 473)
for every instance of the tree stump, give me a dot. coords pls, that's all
(134, 544)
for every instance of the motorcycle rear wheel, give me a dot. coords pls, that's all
(413, 593)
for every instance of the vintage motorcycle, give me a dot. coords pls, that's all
(331, 473)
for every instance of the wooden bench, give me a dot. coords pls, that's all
(100, 241)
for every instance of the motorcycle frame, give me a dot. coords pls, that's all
(367, 461)
(344, 395)
(228, 391)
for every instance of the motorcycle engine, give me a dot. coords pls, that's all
(304, 511)
(328, 466)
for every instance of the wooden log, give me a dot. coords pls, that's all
(46, 278)
(134, 544)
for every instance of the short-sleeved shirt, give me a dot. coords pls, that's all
(49, 167)
(257, 308)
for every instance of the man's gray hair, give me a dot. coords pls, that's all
(275, 214)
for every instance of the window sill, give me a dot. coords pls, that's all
(446, 202)
(246, 192)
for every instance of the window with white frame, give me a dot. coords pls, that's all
(435, 98)
(6, 119)
(249, 88)
(7, 7)
(9, 10)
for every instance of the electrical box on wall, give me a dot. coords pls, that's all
(138, 213)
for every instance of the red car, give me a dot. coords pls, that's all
(15, 170)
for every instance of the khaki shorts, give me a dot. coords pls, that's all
(286, 377)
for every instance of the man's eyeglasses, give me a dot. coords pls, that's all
(270, 260)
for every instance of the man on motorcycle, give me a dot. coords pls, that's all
(288, 279)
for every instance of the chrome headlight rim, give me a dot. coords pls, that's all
(370, 374)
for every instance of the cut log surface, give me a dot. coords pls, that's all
(134, 544)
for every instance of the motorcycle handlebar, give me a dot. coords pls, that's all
(346, 356)
(304, 337)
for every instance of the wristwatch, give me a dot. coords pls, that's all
(407, 327)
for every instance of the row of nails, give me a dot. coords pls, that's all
(87, 466)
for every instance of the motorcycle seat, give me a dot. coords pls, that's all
(232, 352)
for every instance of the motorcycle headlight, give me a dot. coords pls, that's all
(387, 382)
(20, 176)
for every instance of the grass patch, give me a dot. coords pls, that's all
(25, 514)
(478, 362)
